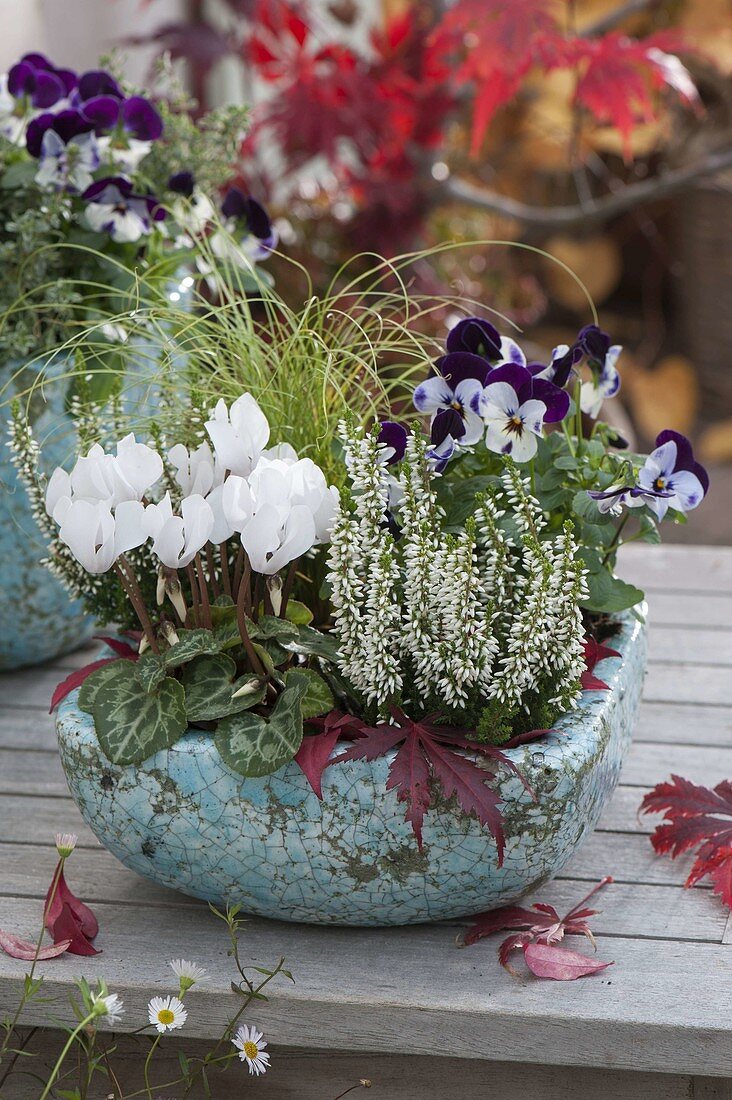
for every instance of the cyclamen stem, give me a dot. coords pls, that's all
(225, 574)
(287, 589)
(238, 569)
(241, 618)
(195, 600)
(132, 588)
(203, 589)
(211, 566)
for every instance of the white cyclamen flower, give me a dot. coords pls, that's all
(275, 536)
(95, 536)
(177, 539)
(251, 1046)
(195, 471)
(98, 477)
(166, 1013)
(239, 435)
(108, 1005)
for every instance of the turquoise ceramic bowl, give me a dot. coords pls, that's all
(38, 618)
(184, 819)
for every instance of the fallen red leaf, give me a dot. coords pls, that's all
(538, 931)
(594, 653)
(63, 898)
(67, 927)
(695, 817)
(22, 949)
(546, 961)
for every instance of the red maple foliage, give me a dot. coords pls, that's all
(428, 753)
(695, 817)
(542, 930)
(595, 652)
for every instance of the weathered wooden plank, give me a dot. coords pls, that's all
(691, 724)
(663, 1007)
(672, 682)
(649, 763)
(321, 1075)
(31, 773)
(628, 857)
(690, 610)
(691, 647)
(27, 728)
(626, 910)
(677, 568)
(35, 819)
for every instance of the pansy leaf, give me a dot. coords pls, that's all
(252, 745)
(132, 723)
(210, 688)
(609, 594)
(457, 498)
(298, 613)
(150, 670)
(192, 643)
(318, 698)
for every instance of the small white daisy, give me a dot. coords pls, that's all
(166, 1013)
(65, 844)
(188, 973)
(108, 1005)
(251, 1049)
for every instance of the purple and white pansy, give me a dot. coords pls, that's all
(514, 406)
(250, 234)
(450, 397)
(114, 208)
(480, 337)
(67, 165)
(669, 478)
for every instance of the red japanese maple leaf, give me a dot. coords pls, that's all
(429, 752)
(313, 756)
(542, 930)
(594, 652)
(695, 817)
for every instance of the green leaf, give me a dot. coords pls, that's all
(458, 497)
(19, 174)
(566, 462)
(610, 594)
(252, 745)
(90, 687)
(318, 698)
(150, 670)
(132, 723)
(314, 643)
(298, 613)
(269, 626)
(227, 635)
(209, 687)
(223, 610)
(193, 643)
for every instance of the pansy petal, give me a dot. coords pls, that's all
(511, 352)
(460, 365)
(688, 490)
(393, 437)
(474, 334)
(498, 398)
(524, 447)
(533, 414)
(556, 400)
(140, 119)
(432, 394)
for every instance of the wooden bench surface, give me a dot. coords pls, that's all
(664, 1007)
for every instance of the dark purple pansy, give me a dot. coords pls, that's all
(564, 359)
(67, 124)
(117, 191)
(475, 335)
(140, 119)
(243, 208)
(393, 438)
(594, 343)
(447, 396)
(43, 88)
(102, 111)
(528, 387)
(182, 183)
(98, 82)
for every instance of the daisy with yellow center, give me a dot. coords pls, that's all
(250, 1043)
(188, 973)
(166, 1013)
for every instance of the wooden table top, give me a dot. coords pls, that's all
(664, 1006)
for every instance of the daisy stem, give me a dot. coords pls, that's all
(203, 589)
(62, 1056)
(146, 1070)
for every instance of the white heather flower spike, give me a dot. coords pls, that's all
(65, 844)
(167, 1013)
(251, 1046)
(188, 973)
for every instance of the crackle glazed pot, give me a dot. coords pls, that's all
(52, 622)
(184, 819)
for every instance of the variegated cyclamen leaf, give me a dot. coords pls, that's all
(192, 643)
(211, 690)
(150, 670)
(298, 613)
(132, 723)
(90, 687)
(318, 698)
(252, 745)
(314, 643)
(269, 626)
